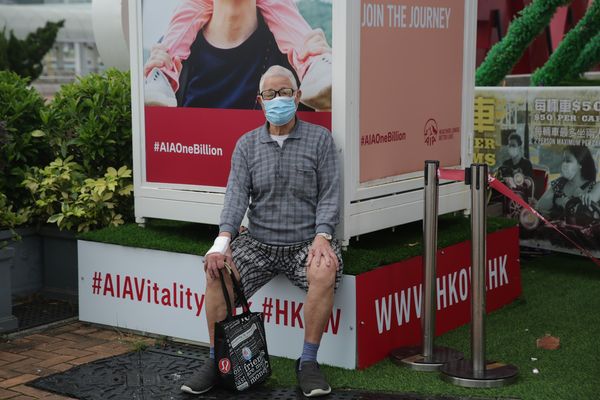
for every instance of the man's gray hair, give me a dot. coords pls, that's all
(278, 70)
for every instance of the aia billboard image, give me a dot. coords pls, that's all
(203, 61)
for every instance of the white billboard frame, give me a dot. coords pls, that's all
(388, 203)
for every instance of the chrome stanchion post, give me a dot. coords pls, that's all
(478, 267)
(477, 372)
(428, 357)
(430, 226)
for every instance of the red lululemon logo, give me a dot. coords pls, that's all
(431, 132)
(224, 365)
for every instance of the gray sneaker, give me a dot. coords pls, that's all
(203, 380)
(311, 379)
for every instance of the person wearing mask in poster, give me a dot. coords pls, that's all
(517, 173)
(286, 174)
(228, 45)
(516, 163)
(578, 178)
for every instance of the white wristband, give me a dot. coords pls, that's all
(220, 245)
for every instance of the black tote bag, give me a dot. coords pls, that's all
(241, 352)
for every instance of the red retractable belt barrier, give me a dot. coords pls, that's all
(459, 175)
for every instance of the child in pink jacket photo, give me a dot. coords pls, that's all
(306, 49)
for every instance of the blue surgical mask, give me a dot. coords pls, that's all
(280, 110)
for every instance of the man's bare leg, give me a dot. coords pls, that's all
(319, 300)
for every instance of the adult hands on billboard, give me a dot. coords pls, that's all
(314, 45)
(321, 253)
(159, 58)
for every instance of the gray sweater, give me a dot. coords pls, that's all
(292, 192)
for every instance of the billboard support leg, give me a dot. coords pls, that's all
(141, 221)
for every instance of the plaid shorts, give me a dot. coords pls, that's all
(258, 262)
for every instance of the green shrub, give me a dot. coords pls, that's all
(22, 144)
(65, 196)
(91, 121)
(10, 219)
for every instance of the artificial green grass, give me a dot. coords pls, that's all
(560, 297)
(174, 236)
(370, 251)
(386, 247)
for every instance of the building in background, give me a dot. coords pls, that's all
(74, 52)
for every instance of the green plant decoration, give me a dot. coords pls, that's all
(521, 32)
(558, 66)
(589, 57)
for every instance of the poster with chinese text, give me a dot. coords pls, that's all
(544, 144)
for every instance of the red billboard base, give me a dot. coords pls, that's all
(388, 299)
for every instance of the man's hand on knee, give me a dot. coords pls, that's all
(321, 253)
(217, 256)
(213, 263)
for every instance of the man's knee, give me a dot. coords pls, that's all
(323, 276)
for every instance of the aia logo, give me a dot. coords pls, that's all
(224, 365)
(431, 132)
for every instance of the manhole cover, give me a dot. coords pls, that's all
(157, 374)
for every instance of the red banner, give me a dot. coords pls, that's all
(194, 145)
(388, 299)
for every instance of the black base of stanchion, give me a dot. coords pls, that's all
(413, 358)
(496, 374)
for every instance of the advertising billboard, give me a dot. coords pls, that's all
(411, 85)
(392, 80)
(544, 144)
(202, 63)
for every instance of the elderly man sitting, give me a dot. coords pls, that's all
(286, 172)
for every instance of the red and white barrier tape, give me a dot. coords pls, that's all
(459, 175)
